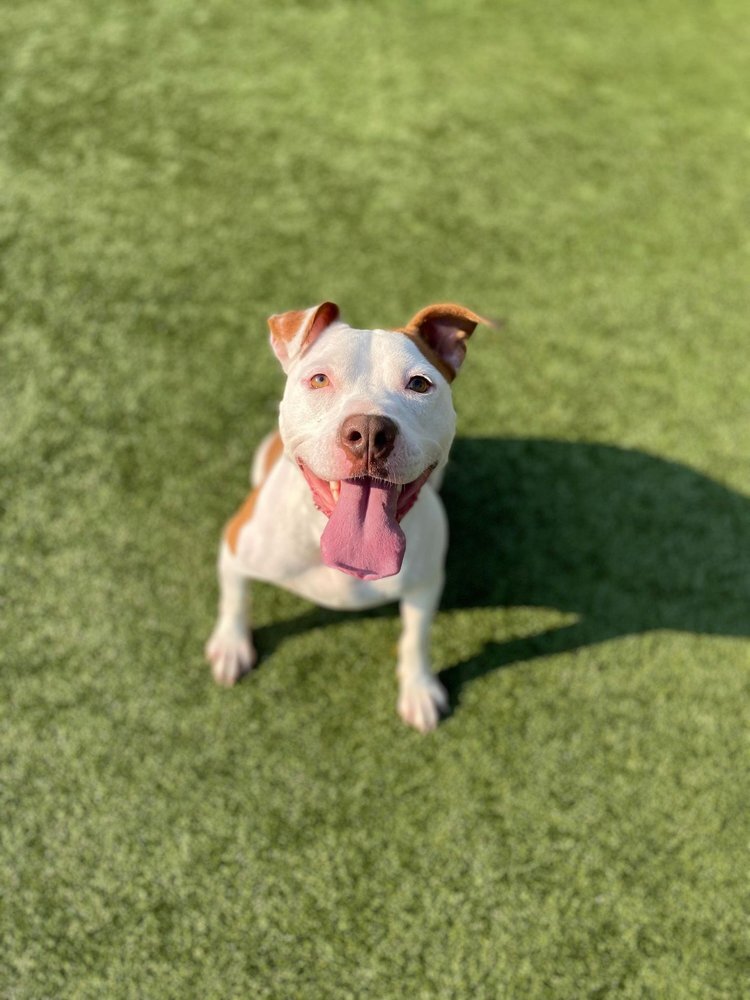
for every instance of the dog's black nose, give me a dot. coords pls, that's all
(368, 438)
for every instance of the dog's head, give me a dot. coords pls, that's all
(367, 416)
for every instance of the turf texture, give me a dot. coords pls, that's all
(170, 174)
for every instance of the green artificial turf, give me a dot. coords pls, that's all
(170, 174)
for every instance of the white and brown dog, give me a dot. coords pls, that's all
(344, 508)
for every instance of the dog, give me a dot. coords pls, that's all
(344, 508)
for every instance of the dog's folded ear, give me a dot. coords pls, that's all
(292, 332)
(445, 328)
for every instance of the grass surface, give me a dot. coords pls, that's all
(171, 173)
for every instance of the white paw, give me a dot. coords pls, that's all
(420, 703)
(230, 653)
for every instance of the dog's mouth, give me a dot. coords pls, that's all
(363, 536)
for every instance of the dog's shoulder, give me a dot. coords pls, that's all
(268, 453)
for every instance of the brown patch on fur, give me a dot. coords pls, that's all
(297, 328)
(273, 453)
(432, 356)
(463, 317)
(284, 326)
(243, 515)
(442, 331)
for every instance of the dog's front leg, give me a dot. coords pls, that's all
(421, 696)
(230, 649)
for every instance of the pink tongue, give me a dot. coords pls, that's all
(362, 537)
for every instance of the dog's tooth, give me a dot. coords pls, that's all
(335, 488)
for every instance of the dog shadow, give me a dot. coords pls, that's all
(624, 541)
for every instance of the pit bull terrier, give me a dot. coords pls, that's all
(344, 508)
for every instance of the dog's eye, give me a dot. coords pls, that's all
(418, 383)
(319, 381)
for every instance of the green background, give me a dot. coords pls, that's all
(170, 174)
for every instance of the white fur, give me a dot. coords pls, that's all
(368, 372)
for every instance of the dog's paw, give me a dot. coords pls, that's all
(421, 702)
(230, 653)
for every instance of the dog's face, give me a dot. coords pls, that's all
(367, 415)
(348, 373)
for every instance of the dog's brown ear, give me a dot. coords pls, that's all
(446, 328)
(293, 331)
